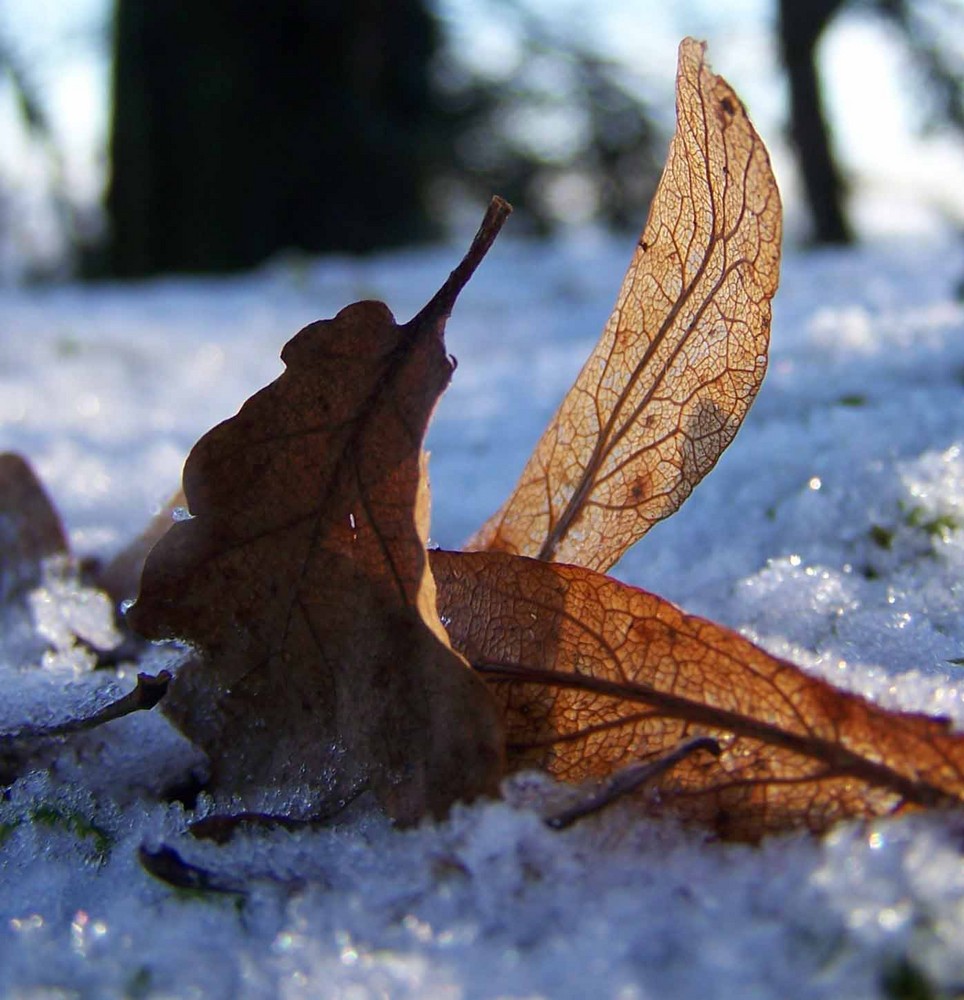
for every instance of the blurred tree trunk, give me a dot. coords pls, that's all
(240, 129)
(801, 24)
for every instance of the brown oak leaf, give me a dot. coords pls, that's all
(683, 353)
(302, 577)
(593, 674)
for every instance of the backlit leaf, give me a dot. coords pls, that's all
(594, 674)
(681, 357)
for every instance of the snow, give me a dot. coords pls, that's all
(829, 532)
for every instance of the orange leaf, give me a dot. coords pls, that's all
(681, 357)
(594, 674)
(303, 580)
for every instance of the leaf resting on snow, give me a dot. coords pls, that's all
(594, 674)
(303, 580)
(681, 357)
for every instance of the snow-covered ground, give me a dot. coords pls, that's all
(832, 532)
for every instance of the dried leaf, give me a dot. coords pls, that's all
(30, 529)
(302, 577)
(681, 357)
(594, 674)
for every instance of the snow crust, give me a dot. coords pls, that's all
(832, 532)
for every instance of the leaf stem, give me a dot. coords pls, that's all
(145, 696)
(629, 779)
(439, 307)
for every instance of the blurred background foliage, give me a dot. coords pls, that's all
(232, 132)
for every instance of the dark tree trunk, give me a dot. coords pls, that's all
(801, 24)
(240, 129)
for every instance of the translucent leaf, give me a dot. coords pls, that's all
(594, 675)
(683, 353)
